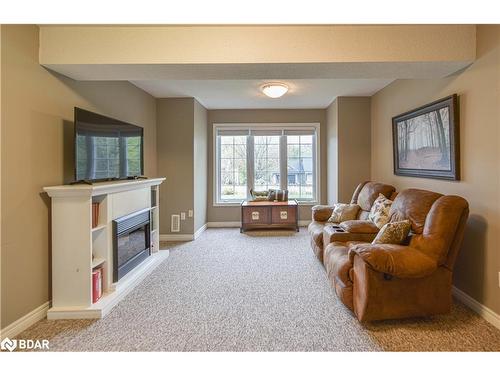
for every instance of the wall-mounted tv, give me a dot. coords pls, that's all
(106, 148)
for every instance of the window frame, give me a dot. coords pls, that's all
(218, 202)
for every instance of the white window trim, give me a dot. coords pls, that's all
(265, 126)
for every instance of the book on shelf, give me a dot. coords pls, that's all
(95, 214)
(96, 284)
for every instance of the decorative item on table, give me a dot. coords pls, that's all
(426, 141)
(259, 195)
(96, 284)
(95, 214)
(278, 195)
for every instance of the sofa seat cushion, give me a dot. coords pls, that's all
(359, 226)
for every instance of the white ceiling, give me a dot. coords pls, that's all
(237, 86)
(243, 94)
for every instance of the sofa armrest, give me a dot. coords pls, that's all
(333, 234)
(321, 212)
(400, 261)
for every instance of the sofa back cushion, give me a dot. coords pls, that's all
(413, 205)
(366, 193)
(443, 230)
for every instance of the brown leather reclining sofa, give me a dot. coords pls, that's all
(323, 233)
(397, 281)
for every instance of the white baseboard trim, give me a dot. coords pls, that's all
(224, 224)
(485, 312)
(176, 237)
(15, 328)
(200, 231)
(183, 237)
(304, 223)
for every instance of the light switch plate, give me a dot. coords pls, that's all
(183, 216)
(190, 213)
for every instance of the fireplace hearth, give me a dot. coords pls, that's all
(131, 242)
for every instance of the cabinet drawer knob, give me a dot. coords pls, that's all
(283, 215)
(255, 215)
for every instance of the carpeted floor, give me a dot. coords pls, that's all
(228, 291)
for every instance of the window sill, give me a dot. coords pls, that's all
(227, 204)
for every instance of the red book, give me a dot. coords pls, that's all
(96, 284)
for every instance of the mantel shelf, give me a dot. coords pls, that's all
(100, 188)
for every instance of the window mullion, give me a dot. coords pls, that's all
(218, 168)
(250, 164)
(283, 163)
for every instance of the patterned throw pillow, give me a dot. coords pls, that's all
(379, 213)
(393, 233)
(343, 212)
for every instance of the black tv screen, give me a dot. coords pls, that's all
(106, 148)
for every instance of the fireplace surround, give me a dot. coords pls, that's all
(131, 242)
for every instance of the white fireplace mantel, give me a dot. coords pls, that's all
(78, 247)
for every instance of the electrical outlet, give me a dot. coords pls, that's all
(190, 213)
(183, 216)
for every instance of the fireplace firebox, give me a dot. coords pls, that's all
(131, 242)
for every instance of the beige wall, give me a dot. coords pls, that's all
(218, 214)
(175, 161)
(255, 44)
(478, 88)
(37, 115)
(200, 165)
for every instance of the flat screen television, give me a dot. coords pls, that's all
(106, 148)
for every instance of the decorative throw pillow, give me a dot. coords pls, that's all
(259, 195)
(343, 212)
(379, 212)
(393, 233)
(279, 195)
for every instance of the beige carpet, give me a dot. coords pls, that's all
(228, 291)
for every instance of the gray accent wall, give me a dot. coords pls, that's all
(349, 146)
(200, 165)
(182, 159)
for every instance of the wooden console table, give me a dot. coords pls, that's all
(269, 215)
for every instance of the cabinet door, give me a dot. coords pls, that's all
(284, 215)
(256, 215)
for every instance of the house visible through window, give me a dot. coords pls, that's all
(265, 157)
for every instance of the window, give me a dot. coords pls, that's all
(300, 166)
(233, 168)
(265, 157)
(266, 162)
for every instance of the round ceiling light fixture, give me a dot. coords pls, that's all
(274, 90)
